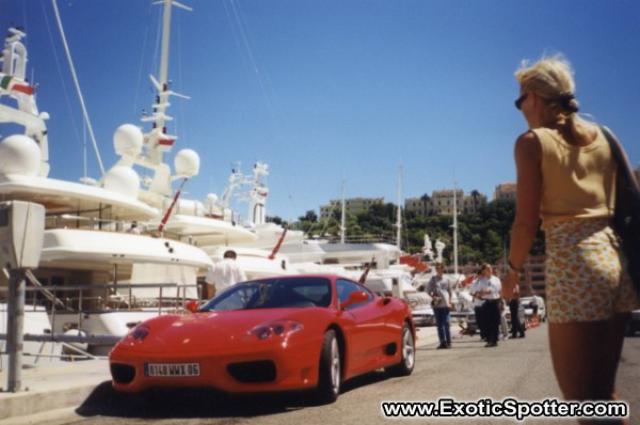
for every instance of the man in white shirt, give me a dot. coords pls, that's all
(477, 307)
(224, 274)
(488, 288)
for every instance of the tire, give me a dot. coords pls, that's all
(628, 331)
(408, 351)
(330, 370)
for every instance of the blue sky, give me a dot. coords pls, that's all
(327, 90)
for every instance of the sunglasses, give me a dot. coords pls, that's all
(520, 100)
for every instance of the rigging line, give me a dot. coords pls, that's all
(331, 211)
(256, 70)
(141, 66)
(77, 84)
(233, 32)
(24, 22)
(84, 149)
(265, 76)
(267, 89)
(74, 124)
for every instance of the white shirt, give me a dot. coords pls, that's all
(225, 274)
(493, 283)
(477, 302)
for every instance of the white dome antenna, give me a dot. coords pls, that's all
(19, 154)
(187, 163)
(128, 140)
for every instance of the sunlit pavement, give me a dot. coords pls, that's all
(520, 368)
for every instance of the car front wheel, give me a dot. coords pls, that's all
(330, 376)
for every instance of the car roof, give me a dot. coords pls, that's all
(329, 276)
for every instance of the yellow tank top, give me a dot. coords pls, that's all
(577, 181)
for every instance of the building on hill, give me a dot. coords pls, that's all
(352, 206)
(441, 202)
(505, 191)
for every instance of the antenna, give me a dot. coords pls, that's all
(85, 113)
(399, 214)
(455, 229)
(343, 216)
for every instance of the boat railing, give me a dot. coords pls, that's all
(369, 239)
(92, 222)
(96, 223)
(82, 301)
(108, 297)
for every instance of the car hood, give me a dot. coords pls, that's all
(219, 331)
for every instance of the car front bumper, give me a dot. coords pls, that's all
(267, 366)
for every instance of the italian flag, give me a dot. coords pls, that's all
(7, 84)
(166, 142)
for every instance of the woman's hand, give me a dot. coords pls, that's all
(510, 284)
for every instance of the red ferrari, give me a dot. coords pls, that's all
(281, 333)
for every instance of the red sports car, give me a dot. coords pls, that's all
(281, 333)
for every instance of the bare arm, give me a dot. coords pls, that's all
(528, 155)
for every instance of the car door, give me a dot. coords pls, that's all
(367, 327)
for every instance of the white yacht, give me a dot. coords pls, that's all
(93, 266)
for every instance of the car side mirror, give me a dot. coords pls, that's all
(356, 297)
(192, 306)
(384, 300)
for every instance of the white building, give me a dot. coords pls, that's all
(352, 206)
(441, 202)
(505, 191)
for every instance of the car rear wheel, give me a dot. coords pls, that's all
(408, 351)
(330, 376)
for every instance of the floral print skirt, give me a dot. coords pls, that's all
(585, 275)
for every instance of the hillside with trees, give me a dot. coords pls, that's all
(482, 236)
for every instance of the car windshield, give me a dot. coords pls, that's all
(273, 293)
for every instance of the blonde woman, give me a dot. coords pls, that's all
(566, 177)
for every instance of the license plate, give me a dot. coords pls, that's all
(172, 369)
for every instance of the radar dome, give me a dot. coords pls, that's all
(19, 154)
(123, 180)
(128, 140)
(187, 163)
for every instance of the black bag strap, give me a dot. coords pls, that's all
(621, 158)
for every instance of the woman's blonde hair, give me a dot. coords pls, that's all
(551, 78)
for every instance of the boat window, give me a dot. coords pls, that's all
(274, 293)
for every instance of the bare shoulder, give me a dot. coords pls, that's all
(528, 146)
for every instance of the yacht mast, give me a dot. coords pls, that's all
(343, 217)
(455, 229)
(157, 140)
(399, 214)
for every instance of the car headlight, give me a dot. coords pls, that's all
(278, 328)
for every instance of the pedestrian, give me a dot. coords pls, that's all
(517, 327)
(502, 307)
(224, 274)
(534, 308)
(488, 289)
(134, 229)
(566, 176)
(439, 288)
(504, 328)
(478, 302)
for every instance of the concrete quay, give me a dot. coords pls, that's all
(52, 386)
(63, 385)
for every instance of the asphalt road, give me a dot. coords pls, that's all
(520, 368)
